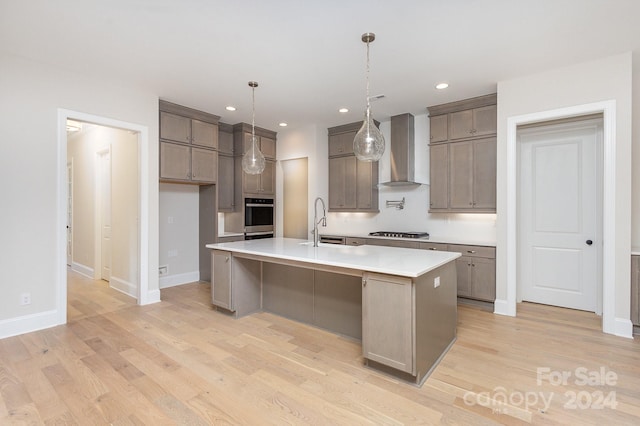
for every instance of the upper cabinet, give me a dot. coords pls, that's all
(263, 184)
(188, 145)
(463, 156)
(353, 184)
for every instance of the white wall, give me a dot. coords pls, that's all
(312, 142)
(178, 248)
(605, 79)
(31, 259)
(635, 170)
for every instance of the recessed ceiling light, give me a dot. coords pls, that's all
(231, 108)
(283, 124)
(343, 110)
(441, 86)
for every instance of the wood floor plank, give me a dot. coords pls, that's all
(182, 362)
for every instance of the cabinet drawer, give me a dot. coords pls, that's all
(433, 246)
(350, 241)
(474, 251)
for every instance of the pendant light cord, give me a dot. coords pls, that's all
(253, 115)
(368, 104)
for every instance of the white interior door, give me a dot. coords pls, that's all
(104, 194)
(559, 237)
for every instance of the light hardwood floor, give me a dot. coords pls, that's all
(181, 362)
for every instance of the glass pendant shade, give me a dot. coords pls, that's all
(368, 145)
(253, 160)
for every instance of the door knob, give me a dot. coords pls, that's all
(589, 242)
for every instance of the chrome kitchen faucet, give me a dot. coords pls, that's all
(323, 219)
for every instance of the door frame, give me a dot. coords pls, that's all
(143, 296)
(595, 123)
(610, 324)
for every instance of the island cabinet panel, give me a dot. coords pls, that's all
(338, 303)
(221, 279)
(387, 321)
(235, 283)
(635, 290)
(288, 291)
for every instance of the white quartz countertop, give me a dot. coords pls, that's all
(385, 260)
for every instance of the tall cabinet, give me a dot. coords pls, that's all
(462, 149)
(353, 184)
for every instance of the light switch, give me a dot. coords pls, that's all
(436, 282)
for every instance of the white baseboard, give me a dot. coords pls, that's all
(623, 328)
(179, 279)
(123, 286)
(28, 323)
(82, 269)
(501, 307)
(153, 296)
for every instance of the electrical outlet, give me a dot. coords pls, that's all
(163, 270)
(436, 282)
(173, 253)
(25, 299)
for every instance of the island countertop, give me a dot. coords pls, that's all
(385, 260)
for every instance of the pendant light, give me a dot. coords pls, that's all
(368, 145)
(253, 160)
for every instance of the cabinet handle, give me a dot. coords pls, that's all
(471, 251)
(364, 283)
(470, 204)
(226, 259)
(432, 248)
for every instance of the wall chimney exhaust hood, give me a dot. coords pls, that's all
(402, 151)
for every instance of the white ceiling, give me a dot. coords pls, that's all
(307, 55)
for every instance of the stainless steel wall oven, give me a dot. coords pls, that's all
(258, 218)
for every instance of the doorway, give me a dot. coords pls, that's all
(295, 178)
(103, 216)
(138, 227)
(559, 219)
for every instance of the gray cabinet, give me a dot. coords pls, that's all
(188, 143)
(267, 145)
(221, 279)
(353, 184)
(226, 170)
(472, 123)
(463, 167)
(262, 184)
(387, 321)
(476, 270)
(439, 128)
(354, 241)
(433, 246)
(635, 290)
(439, 181)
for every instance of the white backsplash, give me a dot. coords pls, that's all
(479, 228)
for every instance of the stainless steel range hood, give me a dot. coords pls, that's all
(402, 151)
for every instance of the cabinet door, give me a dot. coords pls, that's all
(461, 175)
(353, 241)
(439, 176)
(225, 142)
(365, 186)
(342, 183)
(226, 169)
(387, 321)
(484, 174)
(204, 134)
(341, 144)
(461, 124)
(204, 165)
(268, 178)
(268, 147)
(174, 161)
(463, 265)
(250, 183)
(439, 127)
(175, 127)
(485, 121)
(483, 279)
(221, 279)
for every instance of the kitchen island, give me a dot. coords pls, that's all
(400, 302)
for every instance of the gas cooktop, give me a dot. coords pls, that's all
(399, 234)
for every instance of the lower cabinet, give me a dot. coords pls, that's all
(235, 283)
(635, 290)
(387, 321)
(476, 271)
